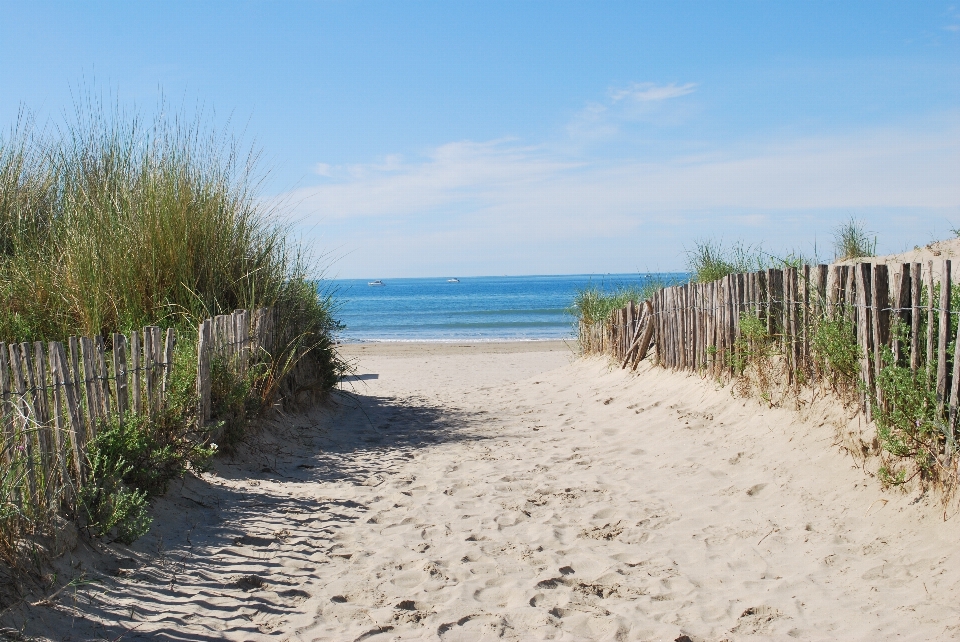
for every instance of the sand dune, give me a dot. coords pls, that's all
(469, 494)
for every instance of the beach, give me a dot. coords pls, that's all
(514, 491)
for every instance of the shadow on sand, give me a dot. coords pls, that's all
(235, 551)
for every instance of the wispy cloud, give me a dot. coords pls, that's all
(465, 202)
(876, 168)
(636, 103)
(647, 92)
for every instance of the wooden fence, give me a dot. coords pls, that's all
(697, 326)
(55, 397)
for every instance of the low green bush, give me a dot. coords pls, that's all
(836, 353)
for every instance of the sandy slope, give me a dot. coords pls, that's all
(465, 495)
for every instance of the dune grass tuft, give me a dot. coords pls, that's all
(852, 241)
(111, 223)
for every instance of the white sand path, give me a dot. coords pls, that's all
(471, 494)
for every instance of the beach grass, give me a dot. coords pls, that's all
(110, 223)
(852, 241)
(595, 303)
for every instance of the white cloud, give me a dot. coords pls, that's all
(635, 103)
(322, 169)
(880, 168)
(648, 92)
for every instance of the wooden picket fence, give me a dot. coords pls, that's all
(696, 326)
(55, 397)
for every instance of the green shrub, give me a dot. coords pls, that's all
(835, 351)
(753, 347)
(908, 425)
(107, 504)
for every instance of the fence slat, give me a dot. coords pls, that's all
(72, 395)
(647, 335)
(60, 431)
(6, 408)
(954, 393)
(805, 315)
(89, 385)
(930, 363)
(149, 359)
(915, 292)
(901, 306)
(120, 373)
(880, 314)
(23, 416)
(681, 317)
(865, 330)
(136, 369)
(168, 347)
(942, 336)
(157, 336)
(44, 435)
(203, 367)
(103, 377)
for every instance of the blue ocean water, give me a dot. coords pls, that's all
(476, 308)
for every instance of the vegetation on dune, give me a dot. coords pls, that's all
(112, 223)
(711, 260)
(594, 303)
(915, 435)
(852, 241)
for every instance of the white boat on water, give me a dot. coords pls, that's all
(453, 280)
(377, 282)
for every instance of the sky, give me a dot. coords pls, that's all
(405, 139)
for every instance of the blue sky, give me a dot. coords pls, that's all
(473, 138)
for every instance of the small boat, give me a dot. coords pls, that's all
(377, 282)
(453, 280)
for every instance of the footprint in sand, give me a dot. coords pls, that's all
(755, 489)
(756, 619)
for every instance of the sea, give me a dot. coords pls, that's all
(487, 308)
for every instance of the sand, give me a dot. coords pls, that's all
(478, 494)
